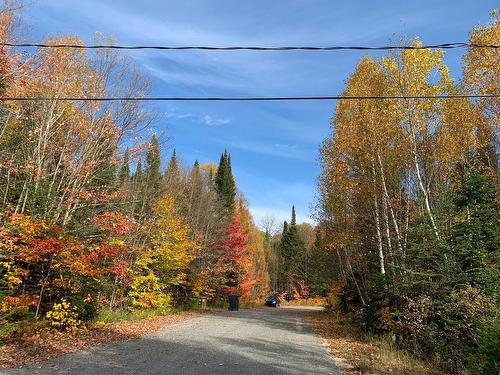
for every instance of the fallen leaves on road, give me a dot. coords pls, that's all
(356, 354)
(45, 344)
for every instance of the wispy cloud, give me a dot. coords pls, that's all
(205, 119)
(266, 148)
(211, 121)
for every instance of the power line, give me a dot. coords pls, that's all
(255, 98)
(255, 48)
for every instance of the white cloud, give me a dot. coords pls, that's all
(266, 148)
(211, 121)
(197, 118)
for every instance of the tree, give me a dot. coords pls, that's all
(225, 184)
(292, 251)
(124, 175)
(153, 165)
(475, 233)
(173, 173)
(482, 76)
(172, 248)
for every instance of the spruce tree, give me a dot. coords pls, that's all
(292, 249)
(225, 184)
(475, 235)
(138, 172)
(153, 164)
(173, 172)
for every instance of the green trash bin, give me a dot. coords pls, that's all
(234, 302)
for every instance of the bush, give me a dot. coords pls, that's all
(86, 308)
(485, 359)
(17, 307)
(63, 315)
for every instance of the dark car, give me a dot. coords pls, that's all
(273, 301)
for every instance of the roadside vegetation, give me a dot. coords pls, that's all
(94, 226)
(101, 240)
(408, 206)
(357, 352)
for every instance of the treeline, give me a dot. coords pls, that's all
(89, 218)
(297, 262)
(408, 204)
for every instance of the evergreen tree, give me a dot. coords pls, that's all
(106, 175)
(125, 169)
(225, 184)
(323, 266)
(138, 171)
(475, 236)
(173, 172)
(292, 250)
(153, 164)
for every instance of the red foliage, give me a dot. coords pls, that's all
(113, 222)
(236, 239)
(44, 248)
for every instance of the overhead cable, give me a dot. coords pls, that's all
(253, 48)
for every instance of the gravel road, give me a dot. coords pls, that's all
(264, 341)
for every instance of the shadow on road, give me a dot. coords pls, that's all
(245, 342)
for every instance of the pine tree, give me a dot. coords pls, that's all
(225, 184)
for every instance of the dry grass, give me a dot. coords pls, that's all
(32, 344)
(316, 301)
(355, 353)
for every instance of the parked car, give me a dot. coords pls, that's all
(273, 301)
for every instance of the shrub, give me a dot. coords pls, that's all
(485, 359)
(17, 307)
(63, 315)
(86, 307)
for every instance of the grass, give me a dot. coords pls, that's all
(314, 301)
(357, 353)
(118, 315)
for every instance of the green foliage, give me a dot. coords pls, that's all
(86, 308)
(124, 174)
(225, 184)
(173, 173)
(485, 357)
(475, 234)
(292, 248)
(153, 165)
(107, 315)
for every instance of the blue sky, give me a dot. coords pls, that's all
(274, 145)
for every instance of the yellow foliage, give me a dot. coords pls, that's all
(12, 276)
(21, 303)
(172, 247)
(63, 315)
(146, 289)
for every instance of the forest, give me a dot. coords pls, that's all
(91, 217)
(406, 235)
(408, 204)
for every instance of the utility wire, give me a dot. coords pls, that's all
(255, 48)
(257, 98)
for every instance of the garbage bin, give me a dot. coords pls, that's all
(234, 302)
